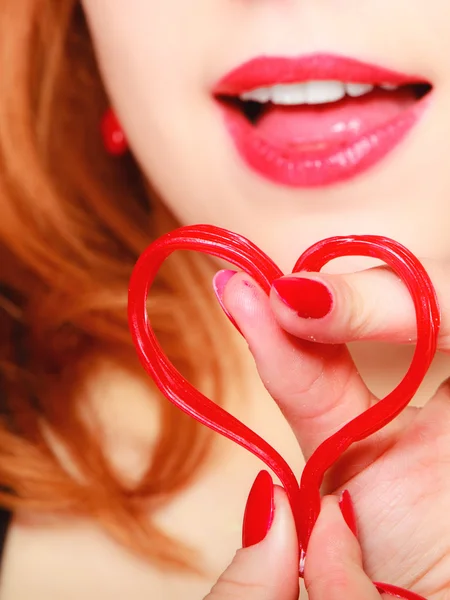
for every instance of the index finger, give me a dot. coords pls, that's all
(317, 387)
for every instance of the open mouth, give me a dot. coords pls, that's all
(261, 103)
(315, 132)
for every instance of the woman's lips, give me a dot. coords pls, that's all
(318, 145)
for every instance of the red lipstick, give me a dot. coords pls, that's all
(318, 144)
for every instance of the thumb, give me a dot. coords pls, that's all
(334, 569)
(267, 570)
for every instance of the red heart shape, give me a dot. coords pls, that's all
(304, 499)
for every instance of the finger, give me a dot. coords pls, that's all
(334, 569)
(369, 305)
(317, 387)
(267, 570)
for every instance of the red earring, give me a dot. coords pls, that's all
(113, 135)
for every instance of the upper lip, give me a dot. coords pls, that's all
(266, 71)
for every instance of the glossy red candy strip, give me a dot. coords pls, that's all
(304, 499)
(420, 287)
(246, 256)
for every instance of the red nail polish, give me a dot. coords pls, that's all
(259, 510)
(310, 298)
(348, 511)
(220, 280)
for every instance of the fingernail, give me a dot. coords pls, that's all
(259, 510)
(310, 298)
(220, 280)
(348, 511)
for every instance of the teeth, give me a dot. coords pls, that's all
(311, 92)
(322, 92)
(358, 89)
(389, 86)
(261, 95)
(288, 94)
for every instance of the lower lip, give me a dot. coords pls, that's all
(319, 168)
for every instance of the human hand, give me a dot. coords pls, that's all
(398, 478)
(268, 570)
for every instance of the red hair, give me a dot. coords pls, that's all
(73, 222)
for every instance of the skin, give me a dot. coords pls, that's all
(164, 61)
(399, 478)
(159, 62)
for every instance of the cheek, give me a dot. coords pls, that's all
(152, 60)
(143, 51)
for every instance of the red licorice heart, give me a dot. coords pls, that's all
(304, 498)
(246, 256)
(422, 292)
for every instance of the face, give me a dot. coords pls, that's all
(288, 120)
